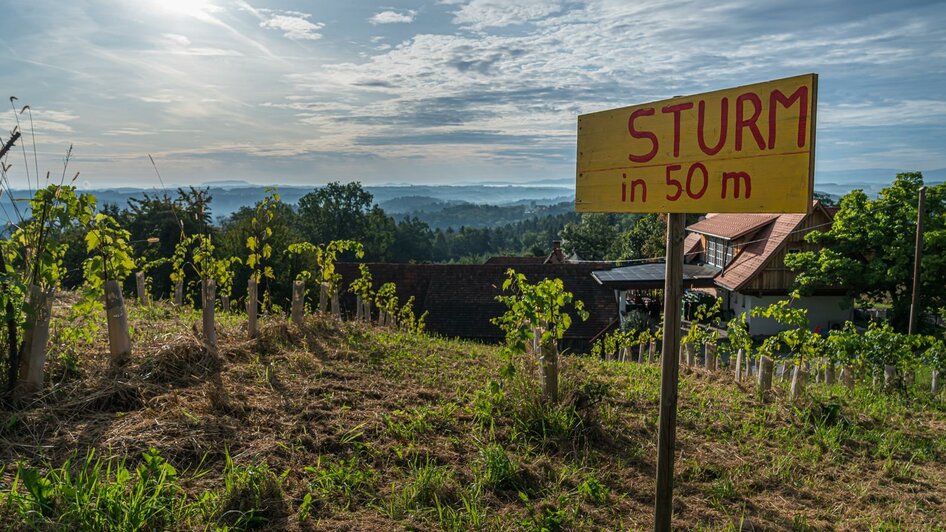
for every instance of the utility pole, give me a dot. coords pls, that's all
(914, 304)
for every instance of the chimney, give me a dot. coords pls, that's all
(557, 256)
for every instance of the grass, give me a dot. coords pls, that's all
(341, 425)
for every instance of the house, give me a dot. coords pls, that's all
(461, 298)
(749, 251)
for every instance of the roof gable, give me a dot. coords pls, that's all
(757, 252)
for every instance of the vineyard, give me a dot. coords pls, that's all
(202, 412)
(342, 424)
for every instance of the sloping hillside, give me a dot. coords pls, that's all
(348, 426)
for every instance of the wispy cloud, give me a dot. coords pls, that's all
(296, 27)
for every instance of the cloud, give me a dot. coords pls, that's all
(885, 113)
(482, 14)
(295, 26)
(393, 17)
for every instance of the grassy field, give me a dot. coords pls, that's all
(346, 426)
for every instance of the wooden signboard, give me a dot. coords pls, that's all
(747, 149)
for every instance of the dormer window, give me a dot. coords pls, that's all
(718, 252)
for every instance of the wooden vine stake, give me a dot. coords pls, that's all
(890, 376)
(179, 293)
(709, 359)
(367, 311)
(799, 380)
(323, 297)
(739, 361)
(766, 365)
(548, 359)
(225, 302)
(359, 309)
(119, 339)
(298, 303)
(336, 305)
(847, 377)
(143, 298)
(252, 305)
(208, 294)
(35, 337)
(934, 382)
(829, 373)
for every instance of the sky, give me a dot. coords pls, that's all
(450, 91)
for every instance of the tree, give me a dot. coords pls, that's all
(334, 212)
(412, 242)
(869, 249)
(592, 238)
(645, 239)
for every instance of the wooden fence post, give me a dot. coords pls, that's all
(225, 302)
(766, 366)
(359, 308)
(143, 298)
(799, 379)
(119, 339)
(367, 314)
(683, 354)
(640, 353)
(652, 354)
(739, 356)
(179, 293)
(691, 357)
(252, 305)
(35, 337)
(298, 302)
(208, 297)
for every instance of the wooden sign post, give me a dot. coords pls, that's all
(746, 150)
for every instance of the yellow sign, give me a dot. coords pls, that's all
(747, 149)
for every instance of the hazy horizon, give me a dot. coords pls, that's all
(451, 91)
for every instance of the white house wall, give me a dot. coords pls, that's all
(823, 311)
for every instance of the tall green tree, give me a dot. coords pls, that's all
(335, 212)
(869, 249)
(592, 238)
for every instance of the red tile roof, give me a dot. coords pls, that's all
(514, 260)
(731, 226)
(692, 245)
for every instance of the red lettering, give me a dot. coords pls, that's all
(676, 109)
(647, 111)
(737, 178)
(742, 122)
(800, 95)
(723, 126)
(634, 184)
(693, 167)
(673, 182)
